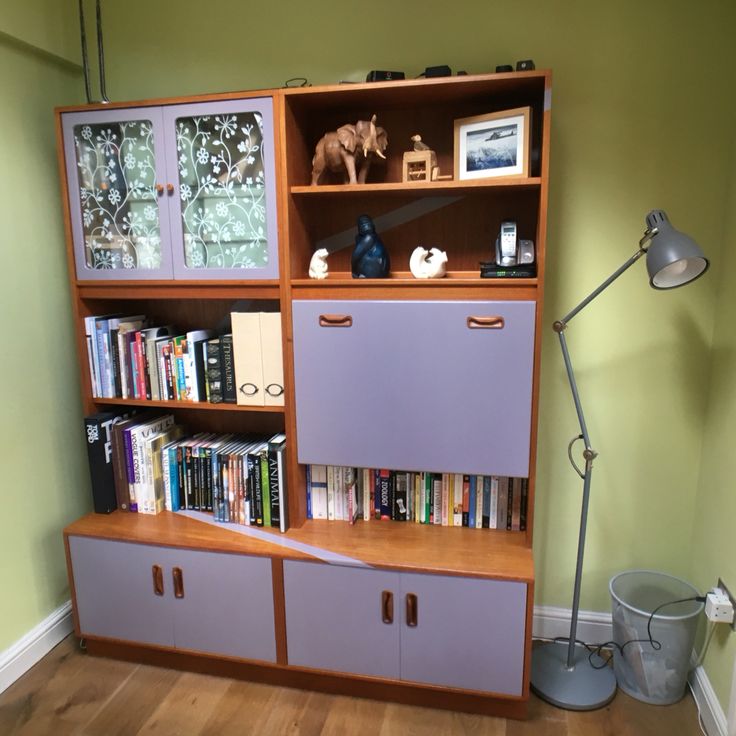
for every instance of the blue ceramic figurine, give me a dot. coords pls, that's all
(370, 258)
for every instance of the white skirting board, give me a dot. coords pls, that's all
(37, 643)
(595, 628)
(549, 622)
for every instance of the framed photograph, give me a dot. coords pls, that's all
(495, 144)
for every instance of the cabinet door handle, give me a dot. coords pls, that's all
(170, 188)
(387, 607)
(159, 189)
(178, 577)
(486, 323)
(335, 320)
(158, 579)
(412, 609)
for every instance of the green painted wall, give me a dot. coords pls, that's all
(716, 508)
(48, 25)
(44, 475)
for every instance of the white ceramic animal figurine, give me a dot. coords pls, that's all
(318, 264)
(428, 264)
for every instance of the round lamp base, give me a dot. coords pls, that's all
(582, 687)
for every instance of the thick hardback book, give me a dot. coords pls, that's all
(228, 369)
(400, 497)
(384, 493)
(214, 370)
(99, 431)
(275, 479)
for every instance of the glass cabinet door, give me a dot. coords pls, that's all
(223, 217)
(116, 177)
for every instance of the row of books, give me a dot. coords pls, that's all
(129, 358)
(154, 465)
(447, 499)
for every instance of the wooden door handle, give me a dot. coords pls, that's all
(486, 323)
(335, 320)
(178, 577)
(159, 189)
(158, 579)
(387, 607)
(412, 609)
(170, 188)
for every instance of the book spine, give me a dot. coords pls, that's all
(486, 508)
(228, 370)
(457, 504)
(384, 481)
(493, 502)
(174, 456)
(308, 480)
(214, 371)
(437, 498)
(99, 454)
(399, 510)
(524, 504)
(445, 499)
(275, 491)
(265, 489)
(466, 499)
(509, 503)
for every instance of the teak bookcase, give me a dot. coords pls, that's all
(404, 612)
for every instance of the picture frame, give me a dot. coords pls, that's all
(494, 144)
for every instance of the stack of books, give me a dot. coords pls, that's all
(338, 493)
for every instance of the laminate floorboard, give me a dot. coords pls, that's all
(69, 693)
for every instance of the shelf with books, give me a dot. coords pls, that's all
(188, 405)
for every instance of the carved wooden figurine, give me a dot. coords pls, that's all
(421, 163)
(349, 149)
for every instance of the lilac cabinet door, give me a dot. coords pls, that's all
(116, 175)
(220, 157)
(469, 633)
(427, 385)
(113, 584)
(227, 606)
(334, 619)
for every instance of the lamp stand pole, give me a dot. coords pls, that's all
(567, 674)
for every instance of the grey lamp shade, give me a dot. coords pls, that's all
(673, 258)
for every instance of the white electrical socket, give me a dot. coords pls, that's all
(718, 607)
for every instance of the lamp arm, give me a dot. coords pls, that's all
(588, 453)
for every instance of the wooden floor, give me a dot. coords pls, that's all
(69, 692)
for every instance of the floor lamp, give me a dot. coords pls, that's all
(564, 672)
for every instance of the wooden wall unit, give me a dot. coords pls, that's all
(491, 570)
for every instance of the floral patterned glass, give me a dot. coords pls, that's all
(222, 190)
(117, 189)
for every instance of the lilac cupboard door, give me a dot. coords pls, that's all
(334, 619)
(116, 176)
(220, 157)
(469, 633)
(415, 385)
(113, 584)
(227, 606)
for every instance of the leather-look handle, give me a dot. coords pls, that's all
(412, 609)
(387, 607)
(335, 320)
(178, 577)
(486, 323)
(158, 579)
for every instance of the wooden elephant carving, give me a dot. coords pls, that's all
(349, 149)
